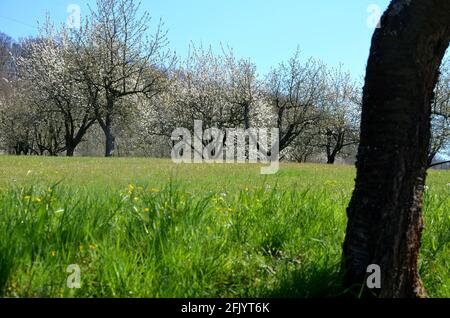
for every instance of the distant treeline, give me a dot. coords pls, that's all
(112, 87)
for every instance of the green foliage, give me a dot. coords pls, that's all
(149, 228)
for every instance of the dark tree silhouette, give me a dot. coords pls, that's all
(385, 213)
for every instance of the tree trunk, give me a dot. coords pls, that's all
(331, 159)
(72, 141)
(385, 213)
(246, 115)
(107, 125)
(70, 150)
(110, 142)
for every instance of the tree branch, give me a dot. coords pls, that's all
(438, 164)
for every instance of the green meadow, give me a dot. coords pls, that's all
(150, 228)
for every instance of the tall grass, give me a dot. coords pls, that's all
(191, 238)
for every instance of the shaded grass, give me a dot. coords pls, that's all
(152, 229)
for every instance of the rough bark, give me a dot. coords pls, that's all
(385, 213)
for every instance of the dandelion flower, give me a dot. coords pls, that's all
(154, 190)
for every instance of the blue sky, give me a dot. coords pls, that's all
(268, 31)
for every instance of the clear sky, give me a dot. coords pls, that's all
(268, 31)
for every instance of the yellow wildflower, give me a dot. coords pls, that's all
(154, 190)
(130, 188)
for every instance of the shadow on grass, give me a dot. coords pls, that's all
(320, 283)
